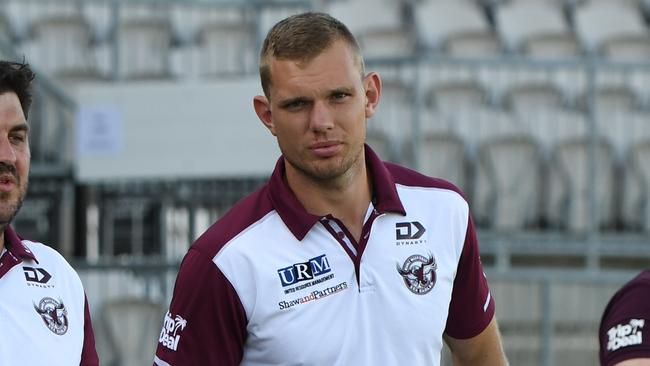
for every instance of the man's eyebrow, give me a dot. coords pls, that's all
(343, 89)
(20, 127)
(287, 102)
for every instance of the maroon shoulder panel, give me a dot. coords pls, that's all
(206, 323)
(472, 307)
(624, 331)
(89, 355)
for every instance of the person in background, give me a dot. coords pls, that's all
(340, 258)
(624, 331)
(44, 313)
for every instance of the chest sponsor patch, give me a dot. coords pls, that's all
(170, 334)
(299, 276)
(419, 273)
(625, 334)
(54, 315)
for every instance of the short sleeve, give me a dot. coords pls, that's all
(624, 331)
(205, 323)
(472, 306)
(89, 355)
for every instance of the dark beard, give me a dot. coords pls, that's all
(7, 219)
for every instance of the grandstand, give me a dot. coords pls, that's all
(143, 134)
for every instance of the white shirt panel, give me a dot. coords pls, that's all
(25, 338)
(330, 322)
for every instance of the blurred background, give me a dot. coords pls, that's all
(143, 134)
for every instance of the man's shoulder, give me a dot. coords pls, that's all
(411, 178)
(239, 218)
(46, 255)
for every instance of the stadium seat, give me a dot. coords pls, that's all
(512, 167)
(443, 155)
(394, 119)
(447, 24)
(568, 205)
(627, 48)
(381, 33)
(528, 98)
(537, 28)
(380, 143)
(62, 46)
(226, 49)
(618, 118)
(453, 96)
(272, 13)
(24, 15)
(133, 326)
(188, 19)
(635, 202)
(6, 31)
(598, 22)
(144, 49)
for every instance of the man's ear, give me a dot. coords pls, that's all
(372, 85)
(263, 109)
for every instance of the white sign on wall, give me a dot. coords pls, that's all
(99, 131)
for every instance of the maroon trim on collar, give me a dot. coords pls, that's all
(16, 251)
(299, 221)
(14, 244)
(385, 194)
(291, 211)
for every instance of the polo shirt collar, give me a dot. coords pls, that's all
(299, 221)
(16, 251)
(15, 245)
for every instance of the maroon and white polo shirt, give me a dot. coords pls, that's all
(44, 317)
(270, 284)
(625, 327)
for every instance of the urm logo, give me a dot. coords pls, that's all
(404, 230)
(299, 272)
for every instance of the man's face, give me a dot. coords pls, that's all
(318, 111)
(14, 156)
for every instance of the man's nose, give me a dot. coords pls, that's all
(7, 152)
(320, 118)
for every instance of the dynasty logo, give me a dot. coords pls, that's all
(409, 233)
(419, 273)
(37, 277)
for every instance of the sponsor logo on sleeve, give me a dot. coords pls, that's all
(54, 315)
(419, 273)
(625, 334)
(299, 276)
(409, 233)
(170, 334)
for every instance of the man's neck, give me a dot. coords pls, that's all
(346, 198)
(2, 238)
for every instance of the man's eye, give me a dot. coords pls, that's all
(17, 138)
(298, 104)
(339, 96)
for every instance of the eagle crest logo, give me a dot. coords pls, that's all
(419, 273)
(54, 315)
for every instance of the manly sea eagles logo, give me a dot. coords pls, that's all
(419, 273)
(54, 315)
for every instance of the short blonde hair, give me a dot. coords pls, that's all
(302, 37)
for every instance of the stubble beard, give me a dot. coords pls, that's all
(329, 173)
(8, 211)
